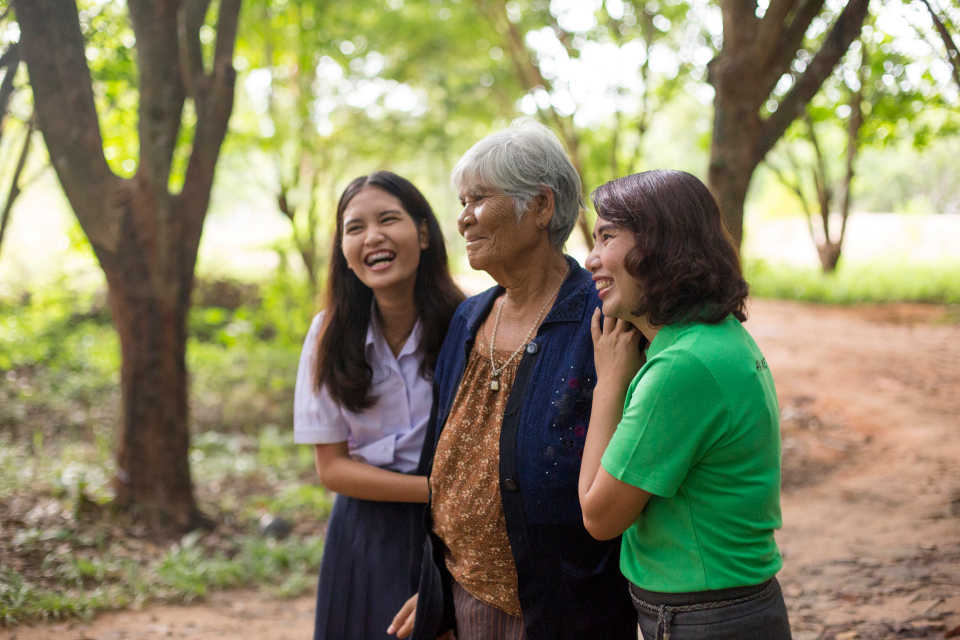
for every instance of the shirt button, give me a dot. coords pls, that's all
(532, 347)
(509, 484)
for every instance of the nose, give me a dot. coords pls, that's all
(592, 263)
(465, 219)
(373, 235)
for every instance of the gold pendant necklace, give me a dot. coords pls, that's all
(494, 370)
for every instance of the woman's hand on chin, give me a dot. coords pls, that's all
(616, 350)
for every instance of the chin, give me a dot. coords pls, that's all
(477, 263)
(612, 311)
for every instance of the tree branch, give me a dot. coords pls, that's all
(772, 24)
(189, 20)
(739, 23)
(213, 115)
(9, 60)
(853, 141)
(60, 80)
(227, 24)
(784, 49)
(820, 178)
(796, 187)
(953, 53)
(844, 31)
(14, 192)
(162, 91)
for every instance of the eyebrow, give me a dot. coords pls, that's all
(348, 219)
(477, 190)
(603, 227)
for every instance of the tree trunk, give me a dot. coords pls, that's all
(829, 254)
(732, 159)
(145, 238)
(756, 53)
(153, 480)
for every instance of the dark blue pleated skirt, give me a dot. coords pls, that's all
(371, 559)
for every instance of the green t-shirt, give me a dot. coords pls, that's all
(701, 433)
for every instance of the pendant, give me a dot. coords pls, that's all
(494, 384)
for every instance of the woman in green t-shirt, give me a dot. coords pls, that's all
(683, 451)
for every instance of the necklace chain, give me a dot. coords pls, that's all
(494, 370)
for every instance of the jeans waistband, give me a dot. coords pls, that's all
(694, 602)
(696, 597)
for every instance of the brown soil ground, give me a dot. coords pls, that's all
(871, 503)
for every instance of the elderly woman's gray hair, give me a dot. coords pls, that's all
(520, 160)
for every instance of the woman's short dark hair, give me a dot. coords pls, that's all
(341, 361)
(684, 257)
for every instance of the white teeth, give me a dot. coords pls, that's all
(379, 256)
(603, 284)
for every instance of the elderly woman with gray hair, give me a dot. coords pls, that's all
(508, 556)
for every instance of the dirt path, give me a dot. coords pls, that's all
(871, 537)
(871, 400)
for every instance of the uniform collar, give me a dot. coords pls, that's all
(376, 343)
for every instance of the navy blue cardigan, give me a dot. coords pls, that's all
(570, 585)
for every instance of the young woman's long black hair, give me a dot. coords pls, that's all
(341, 362)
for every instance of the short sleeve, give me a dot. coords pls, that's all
(317, 419)
(671, 418)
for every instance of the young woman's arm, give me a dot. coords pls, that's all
(342, 474)
(609, 506)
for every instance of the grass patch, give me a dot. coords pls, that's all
(64, 561)
(857, 283)
(184, 573)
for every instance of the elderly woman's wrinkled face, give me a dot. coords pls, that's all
(488, 222)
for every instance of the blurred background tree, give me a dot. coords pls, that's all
(144, 229)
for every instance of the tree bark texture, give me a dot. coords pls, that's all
(145, 238)
(756, 53)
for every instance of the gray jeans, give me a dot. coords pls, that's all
(738, 614)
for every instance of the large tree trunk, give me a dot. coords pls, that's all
(756, 53)
(153, 480)
(732, 156)
(145, 238)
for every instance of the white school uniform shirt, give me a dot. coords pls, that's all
(390, 433)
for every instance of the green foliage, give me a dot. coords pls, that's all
(58, 358)
(897, 179)
(87, 562)
(185, 573)
(243, 361)
(301, 501)
(112, 60)
(21, 601)
(857, 283)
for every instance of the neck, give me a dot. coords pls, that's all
(540, 275)
(397, 314)
(643, 325)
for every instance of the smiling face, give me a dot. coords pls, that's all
(381, 242)
(619, 291)
(495, 239)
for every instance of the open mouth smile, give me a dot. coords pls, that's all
(603, 284)
(379, 260)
